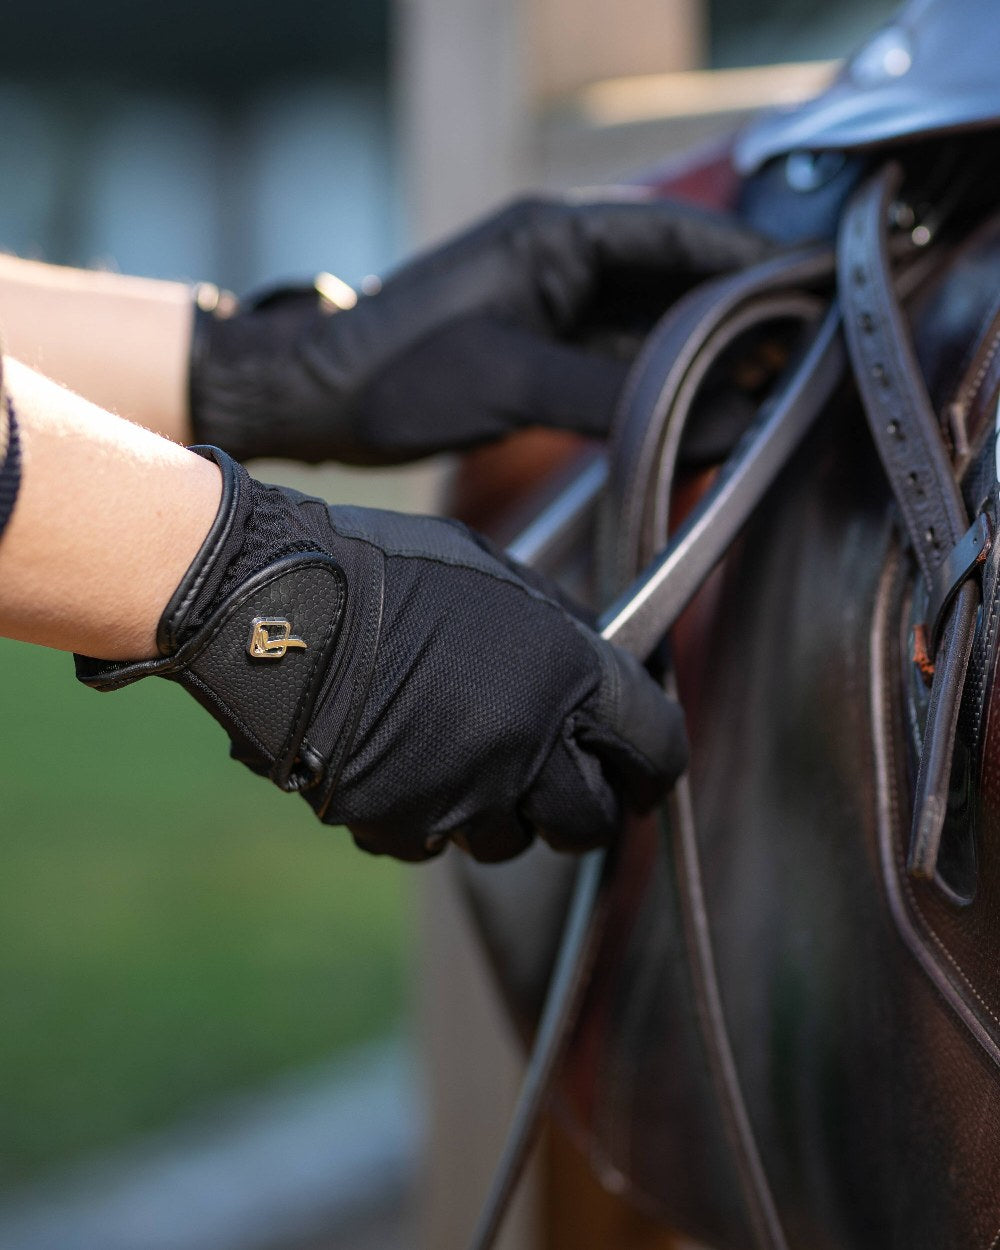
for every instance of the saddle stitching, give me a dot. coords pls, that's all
(966, 403)
(973, 385)
(939, 943)
(910, 924)
(992, 616)
(919, 914)
(915, 911)
(990, 631)
(966, 392)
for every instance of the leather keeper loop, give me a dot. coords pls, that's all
(955, 569)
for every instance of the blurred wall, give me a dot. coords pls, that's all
(214, 140)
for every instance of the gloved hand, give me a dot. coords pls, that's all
(495, 330)
(407, 679)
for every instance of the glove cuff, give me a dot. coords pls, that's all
(247, 390)
(257, 657)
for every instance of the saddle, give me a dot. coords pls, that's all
(773, 1016)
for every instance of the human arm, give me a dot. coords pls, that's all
(530, 317)
(526, 318)
(107, 519)
(121, 341)
(404, 676)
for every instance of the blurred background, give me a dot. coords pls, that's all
(223, 1026)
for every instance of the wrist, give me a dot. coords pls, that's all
(108, 518)
(251, 629)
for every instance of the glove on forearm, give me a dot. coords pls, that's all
(466, 343)
(409, 680)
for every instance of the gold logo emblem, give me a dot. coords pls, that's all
(270, 638)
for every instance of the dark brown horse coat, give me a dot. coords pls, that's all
(788, 1040)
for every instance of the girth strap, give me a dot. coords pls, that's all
(913, 453)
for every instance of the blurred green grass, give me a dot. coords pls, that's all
(171, 928)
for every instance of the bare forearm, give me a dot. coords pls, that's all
(108, 519)
(122, 342)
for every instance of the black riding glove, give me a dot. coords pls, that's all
(495, 330)
(408, 679)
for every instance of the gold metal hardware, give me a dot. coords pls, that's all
(270, 638)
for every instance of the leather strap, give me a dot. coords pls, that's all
(952, 574)
(666, 377)
(912, 450)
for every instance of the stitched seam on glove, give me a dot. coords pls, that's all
(175, 613)
(349, 728)
(574, 752)
(608, 732)
(302, 716)
(499, 574)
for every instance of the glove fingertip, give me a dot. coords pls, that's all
(492, 842)
(571, 804)
(410, 847)
(647, 722)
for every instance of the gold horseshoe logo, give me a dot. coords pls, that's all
(270, 638)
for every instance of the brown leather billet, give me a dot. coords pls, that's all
(911, 447)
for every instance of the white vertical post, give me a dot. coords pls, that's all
(462, 124)
(577, 42)
(473, 78)
(462, 108)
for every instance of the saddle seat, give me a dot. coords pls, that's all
(930, 71)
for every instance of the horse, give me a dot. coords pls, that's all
(782, 1023)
